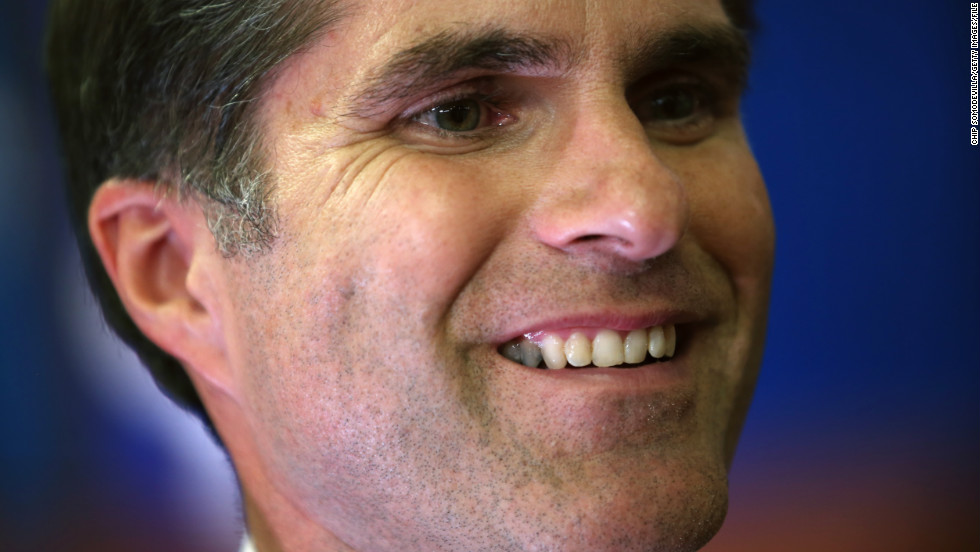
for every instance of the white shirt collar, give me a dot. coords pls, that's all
(247, 544)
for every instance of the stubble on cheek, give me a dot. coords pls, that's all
(386, 428)
(371, 413)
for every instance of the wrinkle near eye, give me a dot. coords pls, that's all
(362, 176)
(341, 166)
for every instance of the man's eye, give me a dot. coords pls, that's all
(673, 105)
(463, 117)
(457, 116)
(679, 113)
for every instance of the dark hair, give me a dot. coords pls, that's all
(165, 91)
(742, 13)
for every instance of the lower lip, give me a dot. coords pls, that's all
(598, 409)
(656, 376)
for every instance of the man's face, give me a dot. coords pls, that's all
(452, 176)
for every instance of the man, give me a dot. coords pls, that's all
(443, 276)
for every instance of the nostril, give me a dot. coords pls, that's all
(618, 244)
(599, 242)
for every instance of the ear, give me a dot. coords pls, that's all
(162, 259)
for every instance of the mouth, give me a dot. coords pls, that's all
(592, 348)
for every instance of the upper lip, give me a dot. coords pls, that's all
(612, 319)
(557, 297)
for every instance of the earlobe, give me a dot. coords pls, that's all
(154, 248)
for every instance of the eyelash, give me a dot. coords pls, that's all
(707, 106)
(709, 103)
(489, 97)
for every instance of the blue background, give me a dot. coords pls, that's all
(864, 432)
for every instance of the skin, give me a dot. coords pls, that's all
(353, 371)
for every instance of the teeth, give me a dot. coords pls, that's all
(658, 342)
(553, 350)
(530, 354)
(670, 336)
(635, 347)
(608, 348)
(512, 350)
(578, 349)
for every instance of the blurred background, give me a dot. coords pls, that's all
(865, 432)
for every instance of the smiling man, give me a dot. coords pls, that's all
(441, 275)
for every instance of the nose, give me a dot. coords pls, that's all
(610, 194)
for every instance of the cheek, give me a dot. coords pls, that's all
(731, 218)
(362, 275)
(731, 222)
(432, 224)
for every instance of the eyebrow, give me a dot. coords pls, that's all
(446, 54)
(722, 47)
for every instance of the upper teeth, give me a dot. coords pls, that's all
(607, 348)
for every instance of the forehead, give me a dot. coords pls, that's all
(381, 27)
(368, 43)
(399, 20)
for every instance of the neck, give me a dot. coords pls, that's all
(276, 526)
(275, 522)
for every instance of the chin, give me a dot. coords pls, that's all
(677, 507)
(684, 520)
